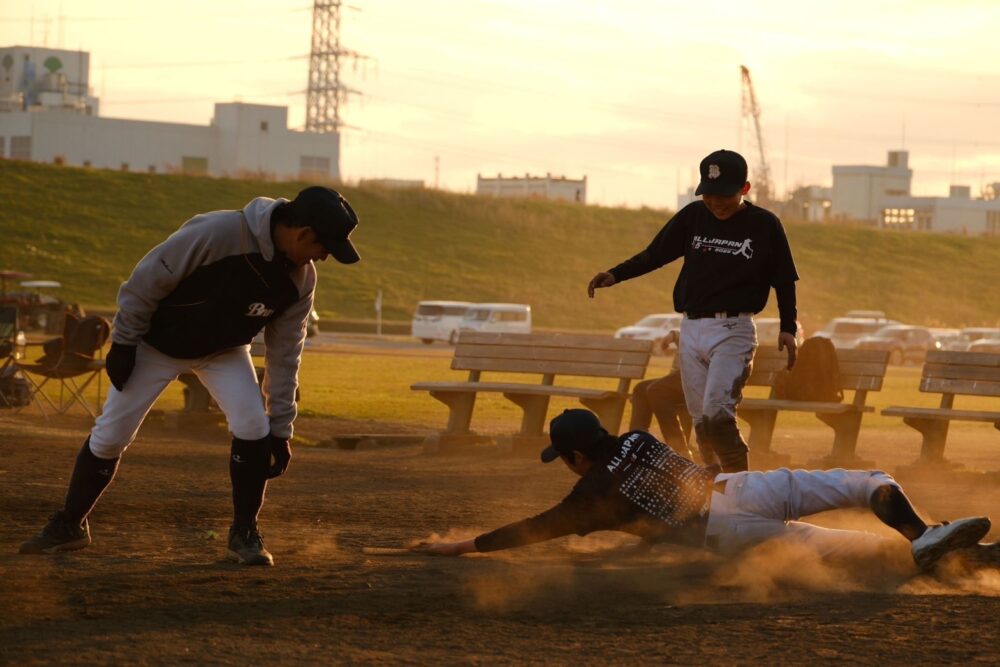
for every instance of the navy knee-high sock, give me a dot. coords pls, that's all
(248, 464)
(91, 475)
(891, 505)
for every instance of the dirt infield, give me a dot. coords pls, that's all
(153, 589)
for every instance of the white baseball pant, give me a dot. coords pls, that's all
(228, 375)
(716, 355)
(759, 506)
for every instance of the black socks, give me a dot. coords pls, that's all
(249, 461)
(91, 475)
(724, 439)
(892, 506)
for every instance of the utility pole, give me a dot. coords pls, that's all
(326, 91)
(751, 113)
(437, 172)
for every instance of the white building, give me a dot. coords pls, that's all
(536, 187)
(859, 192)
(881, 196)
(241, 140)
(957, 213)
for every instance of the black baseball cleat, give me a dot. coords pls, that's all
(60, 534)
(940, 539)
(246, 547)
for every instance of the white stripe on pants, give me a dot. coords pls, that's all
(758, 506)
(715, 361)
(228, 375)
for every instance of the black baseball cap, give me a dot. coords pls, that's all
(575, 429)
(331, 217)
(722, 173)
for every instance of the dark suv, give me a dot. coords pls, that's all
(904, 343)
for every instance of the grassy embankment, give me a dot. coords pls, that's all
(87, 228)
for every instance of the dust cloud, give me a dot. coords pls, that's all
(610, 563)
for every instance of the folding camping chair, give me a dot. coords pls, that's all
(73, 361)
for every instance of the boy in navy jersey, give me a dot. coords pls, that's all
(734, 253)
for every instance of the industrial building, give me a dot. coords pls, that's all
(53, 117)
(881, 196)
(557, 188)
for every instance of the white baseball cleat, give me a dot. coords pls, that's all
(940, 539)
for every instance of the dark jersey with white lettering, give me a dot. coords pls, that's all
(643, 488)
(729, 265)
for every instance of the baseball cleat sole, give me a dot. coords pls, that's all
(265, 559)
(939, 540)
(32, 548)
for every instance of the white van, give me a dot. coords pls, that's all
(438, 320)
(498, 318)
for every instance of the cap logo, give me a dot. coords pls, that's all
(713, 171)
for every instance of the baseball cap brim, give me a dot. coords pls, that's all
(715, 188)
(550, 454)
(343, 251)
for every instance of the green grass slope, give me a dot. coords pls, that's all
(87, 228)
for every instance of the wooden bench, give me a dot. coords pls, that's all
(861, 371)
(545, 355)
(950, 374)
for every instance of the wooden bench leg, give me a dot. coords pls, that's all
(608, 410)
(935, 433)
(846, 428)
(761, 428)
(531, 438)
(759, 440)
(460, 406)
(535, 409)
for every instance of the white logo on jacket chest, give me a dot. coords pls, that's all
(724, 246)
(259, 310)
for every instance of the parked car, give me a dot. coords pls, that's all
(903, 342)
(986, 345)
(652, 327)
(945, 336)
(844, 332)
(877, 315)
(497, 317)
(970, 335)
(438, 320)
(768, 328)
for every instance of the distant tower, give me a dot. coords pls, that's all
(326, 91)
(751, 116)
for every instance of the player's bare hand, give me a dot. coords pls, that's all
(444, 548)
(787, 341)
(602, 279)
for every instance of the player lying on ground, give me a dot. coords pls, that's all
(193, 304)
(636, 484)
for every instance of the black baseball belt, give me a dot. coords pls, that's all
(701, 315)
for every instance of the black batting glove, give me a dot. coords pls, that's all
(119, 364)
(281, 451)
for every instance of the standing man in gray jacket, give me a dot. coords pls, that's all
(193, 304)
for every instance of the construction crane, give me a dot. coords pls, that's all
(751, 111)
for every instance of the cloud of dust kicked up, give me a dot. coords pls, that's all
(568, 571)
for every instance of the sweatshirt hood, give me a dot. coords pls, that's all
(258, 214)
